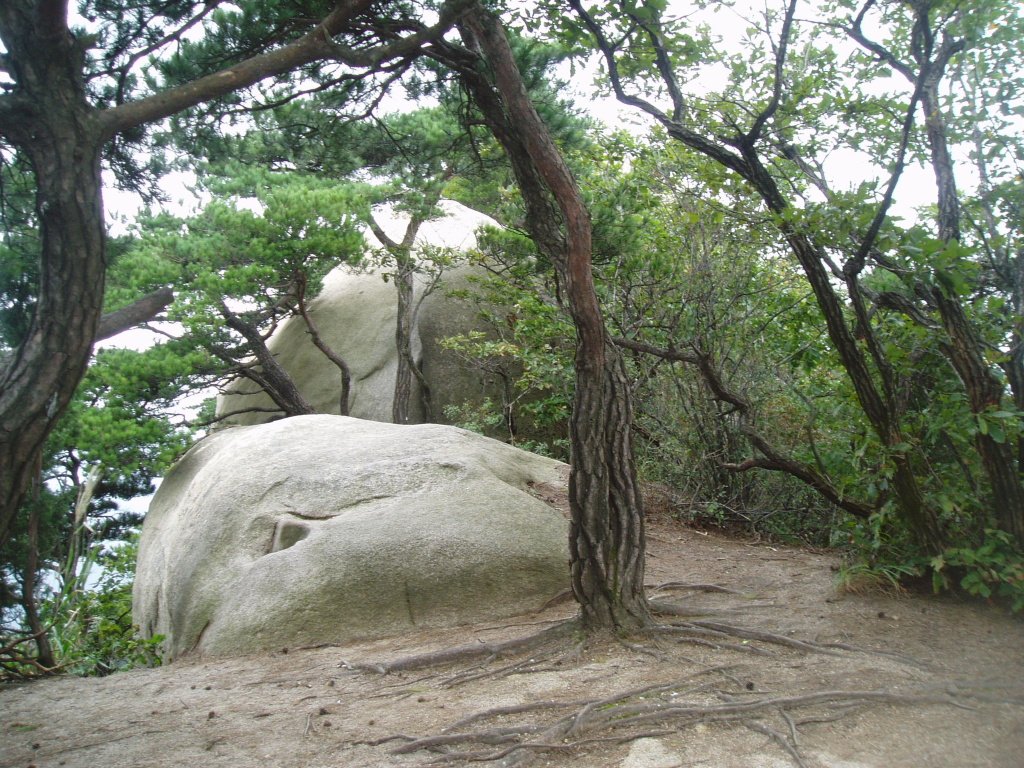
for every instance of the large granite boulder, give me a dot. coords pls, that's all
(332, 529)
(355, 313)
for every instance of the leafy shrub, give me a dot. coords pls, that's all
(994, 569)
(92, 631)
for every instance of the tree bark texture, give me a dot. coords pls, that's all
(401, 404)
(275, 380)
(49, 119)
(607, 545)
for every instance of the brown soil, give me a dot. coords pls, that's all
(310, 708)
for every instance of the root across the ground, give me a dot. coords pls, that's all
(757, 662)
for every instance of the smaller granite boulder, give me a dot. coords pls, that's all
(332, 529)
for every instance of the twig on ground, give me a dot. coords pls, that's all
(779, 739)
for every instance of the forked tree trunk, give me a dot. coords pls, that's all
(407, 370)
(607, 545)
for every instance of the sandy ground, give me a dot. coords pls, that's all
(959, 669)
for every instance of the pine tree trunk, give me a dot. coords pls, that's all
(607, 544)
(401, 406)
(61, 137)
(606, 534)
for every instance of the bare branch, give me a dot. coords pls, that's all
(138, 312)
(664, 65)
(856, 32)
(665, 354)
(672, 124)
(780, 60)
(773, 458)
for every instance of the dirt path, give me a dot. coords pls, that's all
(308, 708)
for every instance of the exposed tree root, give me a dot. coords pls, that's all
(489, 652)
(674, 609)
(632, 714)
(684, 586)
(778, 738)
(514, 736)
(691, 631)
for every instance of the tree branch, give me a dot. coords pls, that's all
(316, 45)
(319, 343)
(169, 37)
(780, 61)
(879, 50)
(773, 458)
(138, 312)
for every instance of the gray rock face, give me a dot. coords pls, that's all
(355, 314)
(332, 529)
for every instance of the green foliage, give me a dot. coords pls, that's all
(527, 351)
(688, 259)
(860, 576)
(92, 631)
(117, 436)
(293, 225)
(242, 265)
(995, 569)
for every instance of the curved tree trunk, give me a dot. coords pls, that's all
(607, 544)
(319, 343)
(53, 124)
